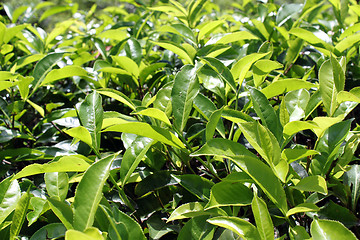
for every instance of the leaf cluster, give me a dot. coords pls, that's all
(162, 120)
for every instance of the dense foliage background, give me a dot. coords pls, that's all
(180, 120)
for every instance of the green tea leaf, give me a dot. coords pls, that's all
(296, 102)
(348, 42)
(155, 113)
(57, 184)
(299, 233)
(332, 79)
(122, 226)
(312, 184)
(89, 192)
(328, 145)
(54, 10)
(65, 72)
(187, 210)
(185, 89)
(197, 228)
(195, 9)
(128, 64)
(352, 179)
(213, 124)
(262, 68)
(88, 234)
(267, 146)
(37, 107)
(44, 66)
(286, 12)
(52, 231)
(208, 27)
(240, 68)
(91, 115)
(133, 50)
(19, 215)
(240, 226)
(80, 133)
(115, 34)
(329, 230)
(222, 71)
(223, 148)
(266, 113)
(286, 85)
(303, 207)
(64, 164)
(236, 36)
(311, 38)
(155, 181)
(291, 155)
(146, 130)
(249, 163)
(119, 96)
(262, 217)
(63, 211)
(133, 155)
(10, 194)
(197, 185)
(178, 50)
(229, 194)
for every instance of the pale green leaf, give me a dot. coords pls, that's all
(330, 230)
(312, 184)
(89, 191)
(10, 194)
(303, 207)
(65, 72)
(146, 130)
(262, 217)
(240, 226)
(64, 164)
(81, 134)
(155, 113)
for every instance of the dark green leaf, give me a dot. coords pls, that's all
(266, 113)
(195, 184)
(197, 228)
(229, 194)
(155, 181)
(133, 155)
(50, 231)
(91, 116)
(352, 179)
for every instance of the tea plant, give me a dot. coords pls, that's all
(164, 121)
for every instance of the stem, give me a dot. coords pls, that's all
(308, 160)
(198, 158)
(122, 194)
(236, 108)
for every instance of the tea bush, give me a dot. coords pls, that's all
(180, 121)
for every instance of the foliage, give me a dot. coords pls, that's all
(181, 121)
